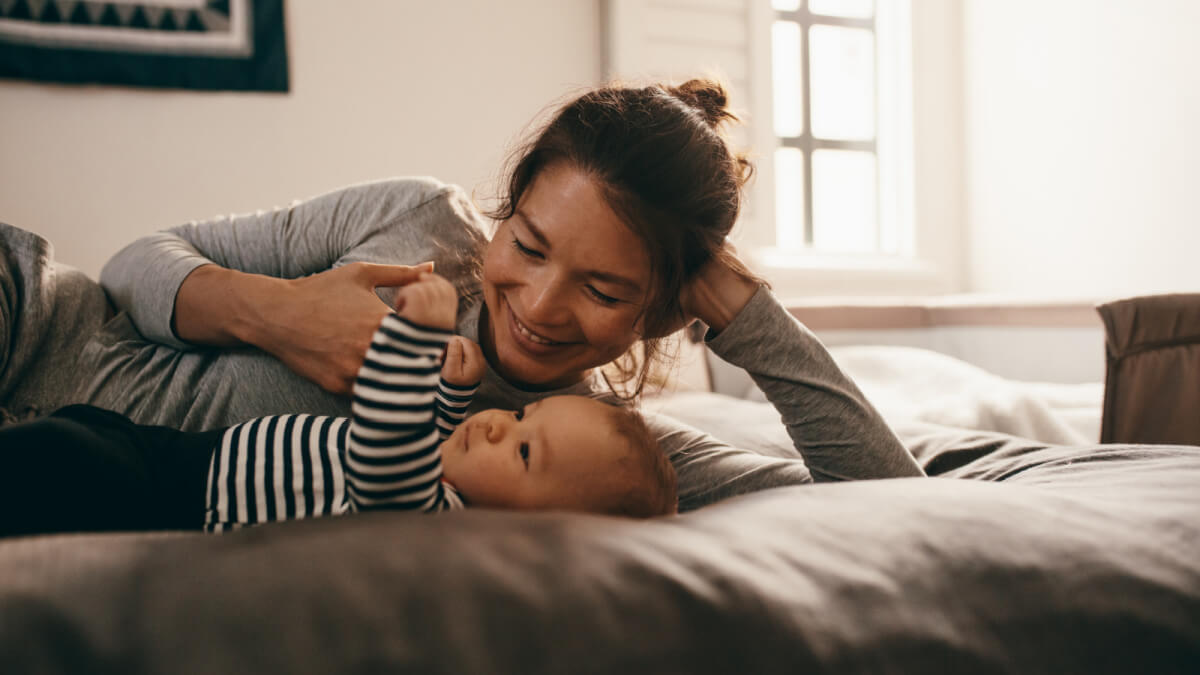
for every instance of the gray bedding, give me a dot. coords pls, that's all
(1065, 559)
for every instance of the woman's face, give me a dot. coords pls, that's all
(564, 280)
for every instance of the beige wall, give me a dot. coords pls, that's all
(1083, 147)
(379, 88)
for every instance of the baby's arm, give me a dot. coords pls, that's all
(392, 459)
(462, 371)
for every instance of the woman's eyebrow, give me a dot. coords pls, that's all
(533, 228)
(630, 284)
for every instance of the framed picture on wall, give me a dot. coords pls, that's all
(182, 44)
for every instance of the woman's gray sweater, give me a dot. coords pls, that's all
(134, 364)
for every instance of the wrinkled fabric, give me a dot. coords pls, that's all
(1066, 559)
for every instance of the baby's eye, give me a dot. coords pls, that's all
(519, 414)
(525, 454)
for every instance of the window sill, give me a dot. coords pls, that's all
(795, 276)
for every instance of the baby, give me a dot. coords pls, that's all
(406, 446)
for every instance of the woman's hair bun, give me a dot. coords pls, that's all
(708, 97)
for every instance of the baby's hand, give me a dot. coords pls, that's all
(430, 301)
(463, 364)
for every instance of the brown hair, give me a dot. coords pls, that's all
(648, 484)
(661, 155)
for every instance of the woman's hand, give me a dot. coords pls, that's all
(319, 326)
(718, 292)
(324, 324)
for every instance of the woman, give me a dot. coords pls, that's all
(610, 236)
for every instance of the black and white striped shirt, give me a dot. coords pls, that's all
(385, 456)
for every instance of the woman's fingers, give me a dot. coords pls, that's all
(321, 325)
(390, 275)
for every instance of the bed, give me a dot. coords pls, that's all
(1020, 555)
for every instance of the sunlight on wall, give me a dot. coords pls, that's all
(1083, 152)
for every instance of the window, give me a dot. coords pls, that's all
(826, 89)
(839, 164)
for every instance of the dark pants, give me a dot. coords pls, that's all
(83, 469)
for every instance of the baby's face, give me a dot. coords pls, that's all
(557, 452)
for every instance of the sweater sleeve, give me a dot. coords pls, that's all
(837, 431)
(393, 458)
(834, 429)
(402, 221)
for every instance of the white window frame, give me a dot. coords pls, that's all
(929, 138)
(918, 266)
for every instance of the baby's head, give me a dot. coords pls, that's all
(564, 452)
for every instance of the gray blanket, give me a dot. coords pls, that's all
(1022, 558)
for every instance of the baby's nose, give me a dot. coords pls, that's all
(496, 427)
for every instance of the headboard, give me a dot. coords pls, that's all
(1152, 386)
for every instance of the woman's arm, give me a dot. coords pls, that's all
(709, 469)
(315, 325)
(275, 279)
(835, 429)
(838, 432)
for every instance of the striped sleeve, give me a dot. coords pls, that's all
(451, 406)
(392, 456)
(386, 456)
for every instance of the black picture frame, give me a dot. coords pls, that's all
(36, 57)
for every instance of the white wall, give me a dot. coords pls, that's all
(1077, 122)
(379, 88)
(1083, 146)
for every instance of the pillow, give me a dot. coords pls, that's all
(1152, 383)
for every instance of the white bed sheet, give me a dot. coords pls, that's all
(908, 384)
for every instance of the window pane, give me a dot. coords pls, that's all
(843, 82)
(844, 201)
(855, 9)
(789, 198)
(785, 5)
(787, 85)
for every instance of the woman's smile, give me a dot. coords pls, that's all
(530, 334)
(527, 339)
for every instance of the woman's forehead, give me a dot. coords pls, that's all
(565, 211)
